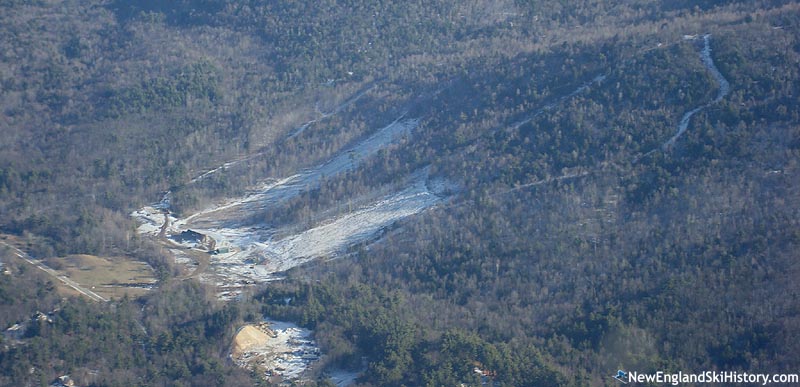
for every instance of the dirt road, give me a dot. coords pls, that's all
(66, 281)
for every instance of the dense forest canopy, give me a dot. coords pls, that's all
(577, 237)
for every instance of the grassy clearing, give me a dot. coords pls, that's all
(108, 277)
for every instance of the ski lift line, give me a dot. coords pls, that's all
(335, 111)
(338, 109)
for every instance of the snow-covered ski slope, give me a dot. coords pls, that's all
(260, 258)
(257, 255)
(274, 192)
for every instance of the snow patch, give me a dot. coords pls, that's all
(151, 220)
(181, 258)
(287, 351)
(343, 378)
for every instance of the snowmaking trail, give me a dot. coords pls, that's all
(274, 192)
(334, 236)
(248, 251)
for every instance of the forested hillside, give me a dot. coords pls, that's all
(621, 185)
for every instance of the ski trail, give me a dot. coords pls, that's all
(226, 166)
(278, 191)
(265, 187)
(724, 89)
(259, 257)
(336, 110)
(575, 174)
(569, 175)
(339, 233)
(554, 104)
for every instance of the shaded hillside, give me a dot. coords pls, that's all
(578, 241)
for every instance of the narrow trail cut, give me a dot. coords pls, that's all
(322, 116)
(724, 89)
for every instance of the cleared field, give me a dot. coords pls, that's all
(108, 277)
